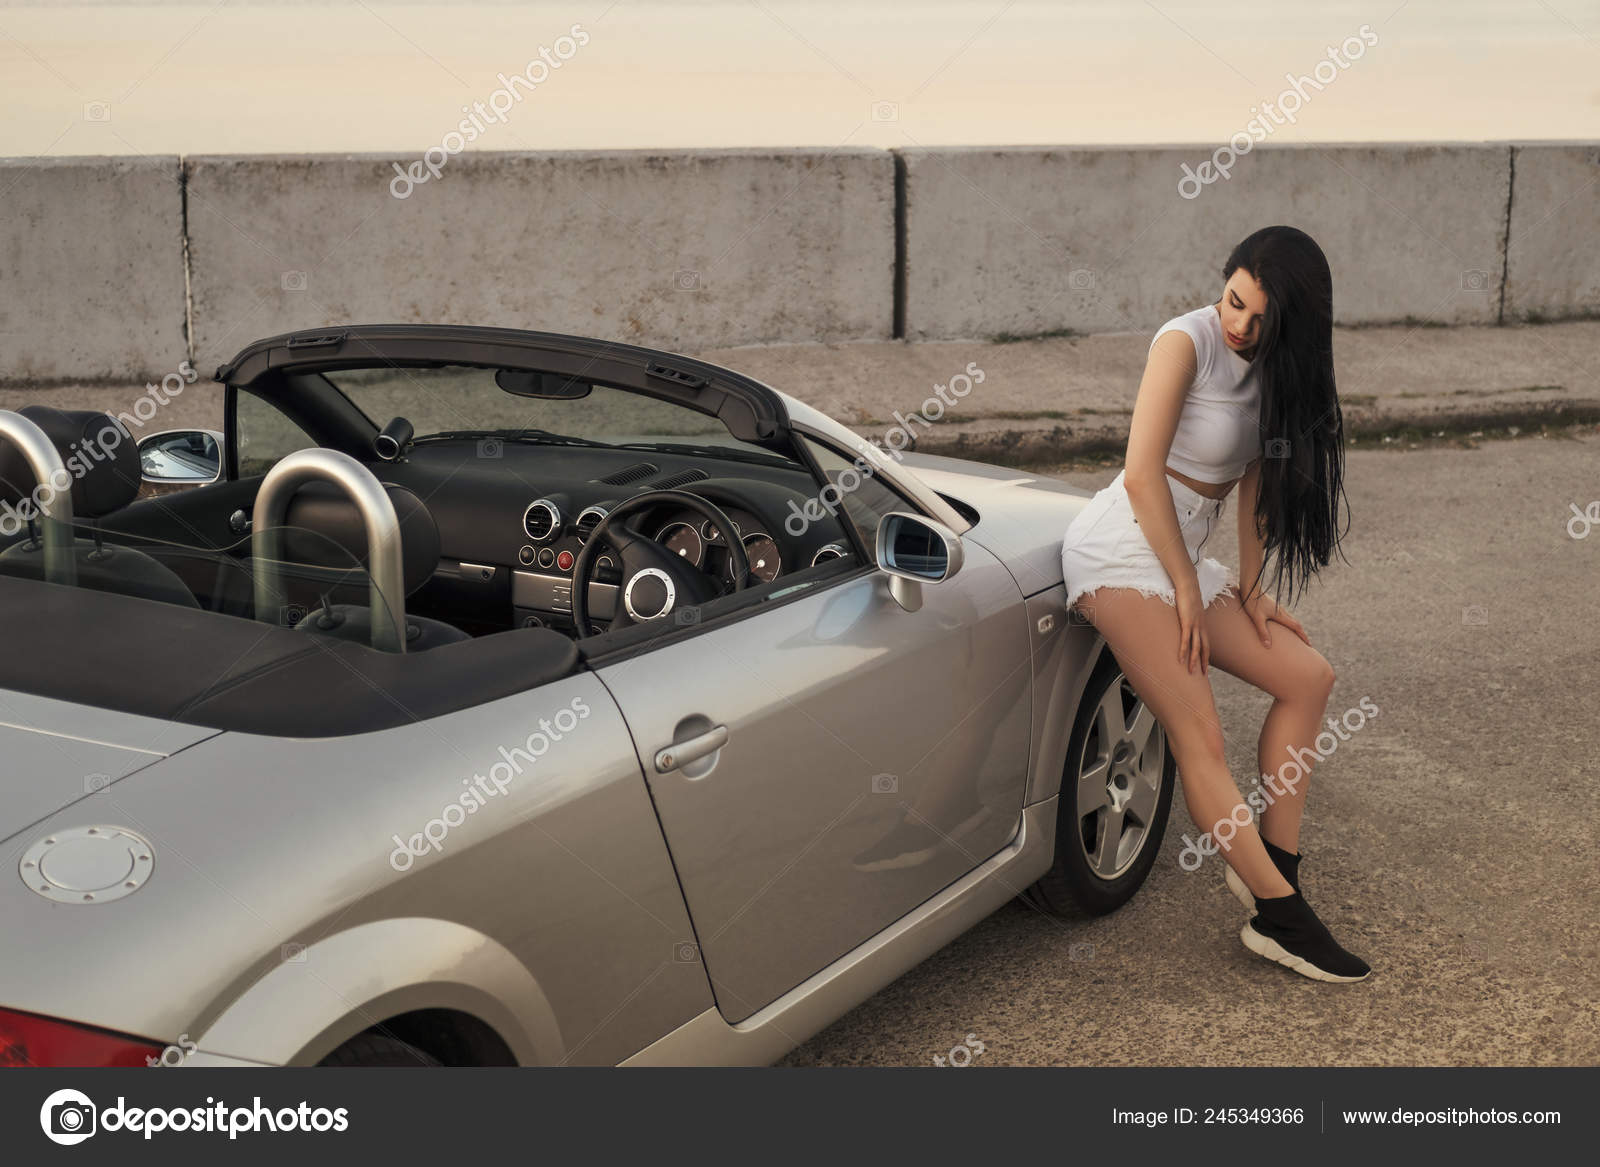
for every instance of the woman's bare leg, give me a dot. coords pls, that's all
(1143, 634)
(1300, 681)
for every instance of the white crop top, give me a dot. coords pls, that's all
(1219, 429)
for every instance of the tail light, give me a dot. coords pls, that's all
(27, 1039)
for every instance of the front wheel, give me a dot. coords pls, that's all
(1116, 794)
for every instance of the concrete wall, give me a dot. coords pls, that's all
(676, 250)
(1555, 232)
(696, 249)
(1029, 240)
(91, 269)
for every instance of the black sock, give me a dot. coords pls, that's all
(1287, 863)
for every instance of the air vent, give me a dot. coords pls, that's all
(634, 473)
(831, 551)
(541, 520)
(678, 376)
(588, 519)
(681, 478)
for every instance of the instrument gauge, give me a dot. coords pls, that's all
(683, 541)
(765, 561)
(709, 532)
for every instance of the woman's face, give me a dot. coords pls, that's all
(1242, 308)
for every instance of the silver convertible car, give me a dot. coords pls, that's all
(490, 697)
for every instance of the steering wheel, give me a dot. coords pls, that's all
(655, 582)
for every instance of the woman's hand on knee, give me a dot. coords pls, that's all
(1194, 648)
(1261, 608)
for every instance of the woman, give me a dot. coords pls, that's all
(1240, 392)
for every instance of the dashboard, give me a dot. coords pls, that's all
(698, 541)
(511, 527)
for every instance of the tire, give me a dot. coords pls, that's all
(1093, 874)
(372, 1049)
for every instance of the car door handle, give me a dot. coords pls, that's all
(691, 750)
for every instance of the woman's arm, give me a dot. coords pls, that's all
(1259, 606)
(1250, 534)
(1167, 376)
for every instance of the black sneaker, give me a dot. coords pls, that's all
(1286, 930)
(1287, 863)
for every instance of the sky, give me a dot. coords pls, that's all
(286, 77)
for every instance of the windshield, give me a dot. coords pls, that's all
(458, 401)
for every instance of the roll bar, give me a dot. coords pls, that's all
(60, 562)
(386, 576)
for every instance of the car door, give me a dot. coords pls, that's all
(872, 756)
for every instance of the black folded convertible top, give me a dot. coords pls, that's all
(225, 672)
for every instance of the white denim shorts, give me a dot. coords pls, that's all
(1104, 546)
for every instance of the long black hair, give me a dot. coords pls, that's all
(1302, 427)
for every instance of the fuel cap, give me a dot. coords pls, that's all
(88, 865)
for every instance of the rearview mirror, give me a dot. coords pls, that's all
(915, 550)
(181, 457)
(547, 386)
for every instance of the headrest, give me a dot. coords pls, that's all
(100, 455)
(325, 529)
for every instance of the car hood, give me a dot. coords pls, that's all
(56, 753)
(1021, 515)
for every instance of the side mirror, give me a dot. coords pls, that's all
(915, 550)
(181, 457)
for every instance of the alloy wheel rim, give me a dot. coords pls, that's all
(1120, 771)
